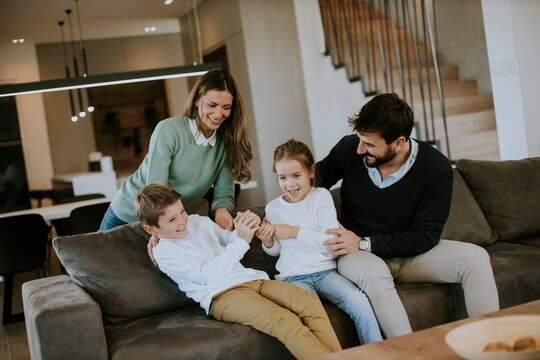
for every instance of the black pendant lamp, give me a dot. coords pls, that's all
(82, 112)
(90, 107)
(74, 116)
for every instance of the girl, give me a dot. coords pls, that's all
(206, 147)
(294, 230)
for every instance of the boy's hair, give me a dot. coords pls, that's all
(295, 150)
(151, 202)
(385, 114)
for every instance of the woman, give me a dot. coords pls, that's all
(207, 146)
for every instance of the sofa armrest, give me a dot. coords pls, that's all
(62, 320)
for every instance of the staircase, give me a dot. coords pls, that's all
(379, 42)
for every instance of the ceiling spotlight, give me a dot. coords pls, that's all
(168, 2)
(21, 41)
(14, 41)
(90, 108)
(147, 29)
(153, 28)
(74, 118)
(82, 114)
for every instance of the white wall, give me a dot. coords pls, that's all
(331, 99)
(525, 16)
(505, 21)
(18, 64)
(462, 40)
(275, 78)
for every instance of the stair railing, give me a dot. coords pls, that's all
(365, 36)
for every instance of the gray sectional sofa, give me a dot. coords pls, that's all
(115, 304)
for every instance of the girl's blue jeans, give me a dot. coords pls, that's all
(333, 287)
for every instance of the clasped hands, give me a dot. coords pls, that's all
(343, 243)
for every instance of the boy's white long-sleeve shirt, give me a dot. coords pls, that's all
(306, 254)
(206, 262)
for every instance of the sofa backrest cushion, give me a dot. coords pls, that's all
(508, 193)
(114, 268)
(466, 221)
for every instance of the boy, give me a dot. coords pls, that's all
(204, 260)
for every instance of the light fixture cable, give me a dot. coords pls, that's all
(82, 113)
(73, 116)
(90, 107)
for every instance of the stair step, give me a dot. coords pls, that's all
(460, 125)
(456, 106)
(476, 146)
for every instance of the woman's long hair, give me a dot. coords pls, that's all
(234, 130)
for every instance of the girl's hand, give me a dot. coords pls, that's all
(152, 243)
(224, 218)
(283, 232)
(266, 233)
(246, 224)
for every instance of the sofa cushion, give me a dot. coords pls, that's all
(508, 193)
(534, 241)
(114, 268)
(466, 221)
(189, 334)
(517, 272)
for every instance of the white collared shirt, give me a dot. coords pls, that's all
(199, 137)
(395, 177)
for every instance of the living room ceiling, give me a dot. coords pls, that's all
(36, 21)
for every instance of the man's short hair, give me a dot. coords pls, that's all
(151, 202)
(385, 114)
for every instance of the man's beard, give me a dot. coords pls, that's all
(374, 161)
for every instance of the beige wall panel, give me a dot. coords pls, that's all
(18, 64)
(276, 80)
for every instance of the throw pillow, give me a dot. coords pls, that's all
(466, 222)
(508, 193)
(114, 268)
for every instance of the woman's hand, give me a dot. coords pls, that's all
(152, 243)
(224, 218)
(266, 233)
(283, 232)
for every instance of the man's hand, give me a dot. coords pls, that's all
(266, 233)
(152, 243)
(345, 241)
(283, 232)
(246, 224)
(224, 218)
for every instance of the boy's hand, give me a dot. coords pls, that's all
(246, 224)
(224, 218)
(152, 243)
(283, 232)
(266, 233)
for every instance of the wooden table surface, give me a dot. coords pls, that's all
(425, 344)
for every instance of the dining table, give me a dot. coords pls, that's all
(55, 212)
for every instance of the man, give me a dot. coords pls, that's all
(395, 199)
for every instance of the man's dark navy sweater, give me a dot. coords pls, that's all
(404, 219)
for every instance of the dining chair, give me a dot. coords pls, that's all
(23, 246)
(87, 218)
(62, 226)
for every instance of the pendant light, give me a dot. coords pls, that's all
(74, 117)
(82, 113)
(90, 107)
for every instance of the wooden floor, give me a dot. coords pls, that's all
(13, 340)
